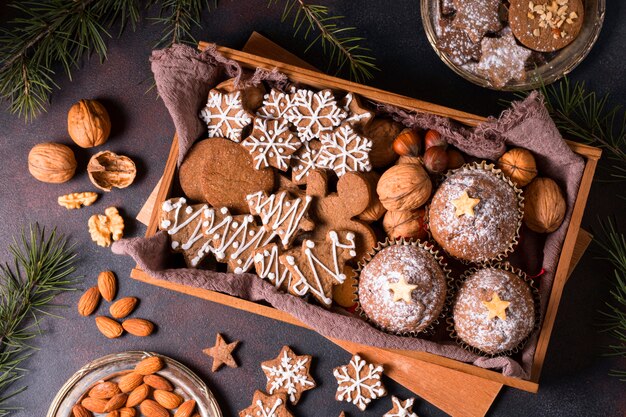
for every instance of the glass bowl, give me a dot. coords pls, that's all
(187, 384)
(558, 63)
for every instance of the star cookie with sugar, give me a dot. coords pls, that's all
(289, 374)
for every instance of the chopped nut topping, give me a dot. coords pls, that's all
(552, 15)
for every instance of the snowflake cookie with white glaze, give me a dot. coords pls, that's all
(401, 408)
(289, 374)
(344, 150)
(275, 105)
(225, 115)
(305, 160)
(271, 143)
(264, 405)
(314, 113)
(359, 382)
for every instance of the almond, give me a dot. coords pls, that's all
(109, 327)
(186, 409)
(137, 396)
(80, 411)
(158, 382)
(117, 402)
(107, 284)
(123, 307)
(127, 412)
(114, 413)
(104, 390)
(138, 327)
(94, 405)
(167, 399)
(151, 408)
(130, 381)
(89, 301)
(149, 366)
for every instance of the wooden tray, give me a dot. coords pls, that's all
(462, 389)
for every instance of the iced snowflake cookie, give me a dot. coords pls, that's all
(225, 116)
(289, 374)
(305, 160)
(282, 215)
(502, 59)
(401, 408)
(267, 265)
(275, 105)
(264, 405)
(358, 114)
(271, 143)
(477, 17)
(344, 150)
(314, 113)
(359, 382)
(318, 265)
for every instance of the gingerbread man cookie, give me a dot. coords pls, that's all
(271, 143)
(319, 265)
(225, 116)
(336, 211)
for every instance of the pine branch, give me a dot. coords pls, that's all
(50, 33)
(341, 48)
(42, 267)
(179, 17)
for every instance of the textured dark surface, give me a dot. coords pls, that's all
(574, 380)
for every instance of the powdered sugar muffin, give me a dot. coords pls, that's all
(403, 288)
(475, 214)
(494, 310)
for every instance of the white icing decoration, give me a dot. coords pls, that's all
(403, 410)
(275, 105)
(344, 150)
(352, 389)
(263, 411)
(225, 116)
(178, 225)
(352, 116)
(271, 143)
(305, 160)
(268, 266)
(289, 375)
(314, 113)
(270, 209)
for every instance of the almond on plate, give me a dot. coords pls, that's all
(137, 395)
(150, 408)
(104, 390)
(158, 382)
(168, 399)
(149, 365)
(186, 409)
(130, 381)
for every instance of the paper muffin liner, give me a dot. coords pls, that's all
(485, 166)
(505, 266)
(430, 248)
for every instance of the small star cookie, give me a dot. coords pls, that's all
(359, 382)
(496, 307)
(222, 353)
(225, 116)
(502, 59)
(477, 17)
(264, 405)
(289, 374)
(464, 205)
(271, 143)
(401, 408)
(402, 290)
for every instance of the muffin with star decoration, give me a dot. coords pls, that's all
(402, 287)
(476, 213)
(494, 311)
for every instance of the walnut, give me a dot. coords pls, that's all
(382, 133)
(77, 200)
(407, 224)
(404, 187)
(88, 123)
(375, 210)
(544, 205)
(519, 165)
(107, 170)
(107, 227)
(51, 162)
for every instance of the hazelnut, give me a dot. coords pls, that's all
(382, 133)
(407, 143)
(434, 138)
(455, 159)
(408, 224)
(544, 205)
(519, 165)
(404, 187)
(107, 170)
(436, 159)
(51, 162)
(88, 123)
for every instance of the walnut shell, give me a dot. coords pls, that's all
(107, 170)
(382, 133)
(404, 187)
(51, 162)
(408, 224)
(519, 165)
(544, 205)
(88, 123)
(375, 210)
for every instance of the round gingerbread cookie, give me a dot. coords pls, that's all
(222, 173)
(546, 25)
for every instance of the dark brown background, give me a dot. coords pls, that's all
(574, 381)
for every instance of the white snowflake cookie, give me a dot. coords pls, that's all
(271, 143)
(275, 105)
(344, 150)
(288, 374)
(314, 113)
(401, 408)
(225, 116)
(359, 382)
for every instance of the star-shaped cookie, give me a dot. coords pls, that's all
(477, 17)
(402, 290)
(502, 59)
(222, 353)
(401, 408)
(289, 374)
(464, 205)
(496, 307)
(264, 405)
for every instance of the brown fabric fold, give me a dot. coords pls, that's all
(184, 77)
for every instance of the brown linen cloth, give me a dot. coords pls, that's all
(183, 78)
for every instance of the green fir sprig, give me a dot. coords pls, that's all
(342, 49)
(42, 267)
(178, 18)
